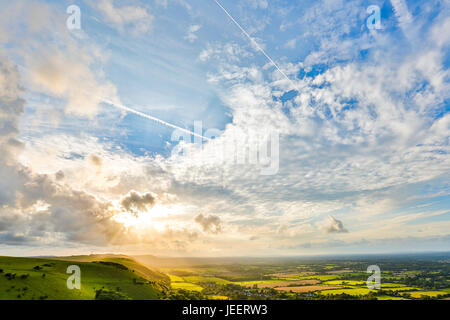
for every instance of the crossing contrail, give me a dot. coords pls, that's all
(256, 44)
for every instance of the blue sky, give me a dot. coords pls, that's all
(362, 118)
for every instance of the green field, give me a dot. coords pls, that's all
(389, 298)
(108, 276)
(201, 279)
(320, 277)
(432, 294)
(400, 289)
(351, 292)
(213, 297)
(47, 279)
(186, 286)
(345, 282)
(174, 278)
(391, 285)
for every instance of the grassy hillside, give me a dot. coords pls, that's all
(38, 278)
(145, 272)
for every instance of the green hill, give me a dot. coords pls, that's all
(145, 272)
(109, 277)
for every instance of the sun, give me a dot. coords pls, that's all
(142, 220)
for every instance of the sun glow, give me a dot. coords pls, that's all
(141, 220)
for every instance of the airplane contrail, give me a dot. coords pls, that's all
(256, 44)
(147, 116)
(139, 113)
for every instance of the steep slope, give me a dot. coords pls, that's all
(145, 272)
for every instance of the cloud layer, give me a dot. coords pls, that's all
(364, 141)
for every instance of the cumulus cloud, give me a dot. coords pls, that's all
(11, 108)
(56, 64)
(40, 208)
(96, 160)
(59, 175)
(353, 133)
(67, 73)
(209, 223)
(333, 225)
(134, 201)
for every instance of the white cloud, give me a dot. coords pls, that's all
(351, 139)
(57, 64)
(332, 225)
(121, 17)
(209, 223)
(402, 12)
(191, 36)
(68, 74)
(258, 4)
(290, 44)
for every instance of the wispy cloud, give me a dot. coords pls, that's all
(191, 36)
(120, 17)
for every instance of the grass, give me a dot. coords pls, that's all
(181, 272)
(405, 288)
(174, 278)
(432, 294)
(389, 298)
(361, 283)
(201, 279)
(321, 277)
(251, 283)
(216, 297)
(345, 282)
(53, 285)
(186, 286)
(141, 270)
(303, 289)
(391, 285)
(191, 282)
(352, 291)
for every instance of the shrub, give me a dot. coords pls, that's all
(112, 264)
(10, 276)
(105, 294)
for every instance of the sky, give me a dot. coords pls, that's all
(224, 128)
